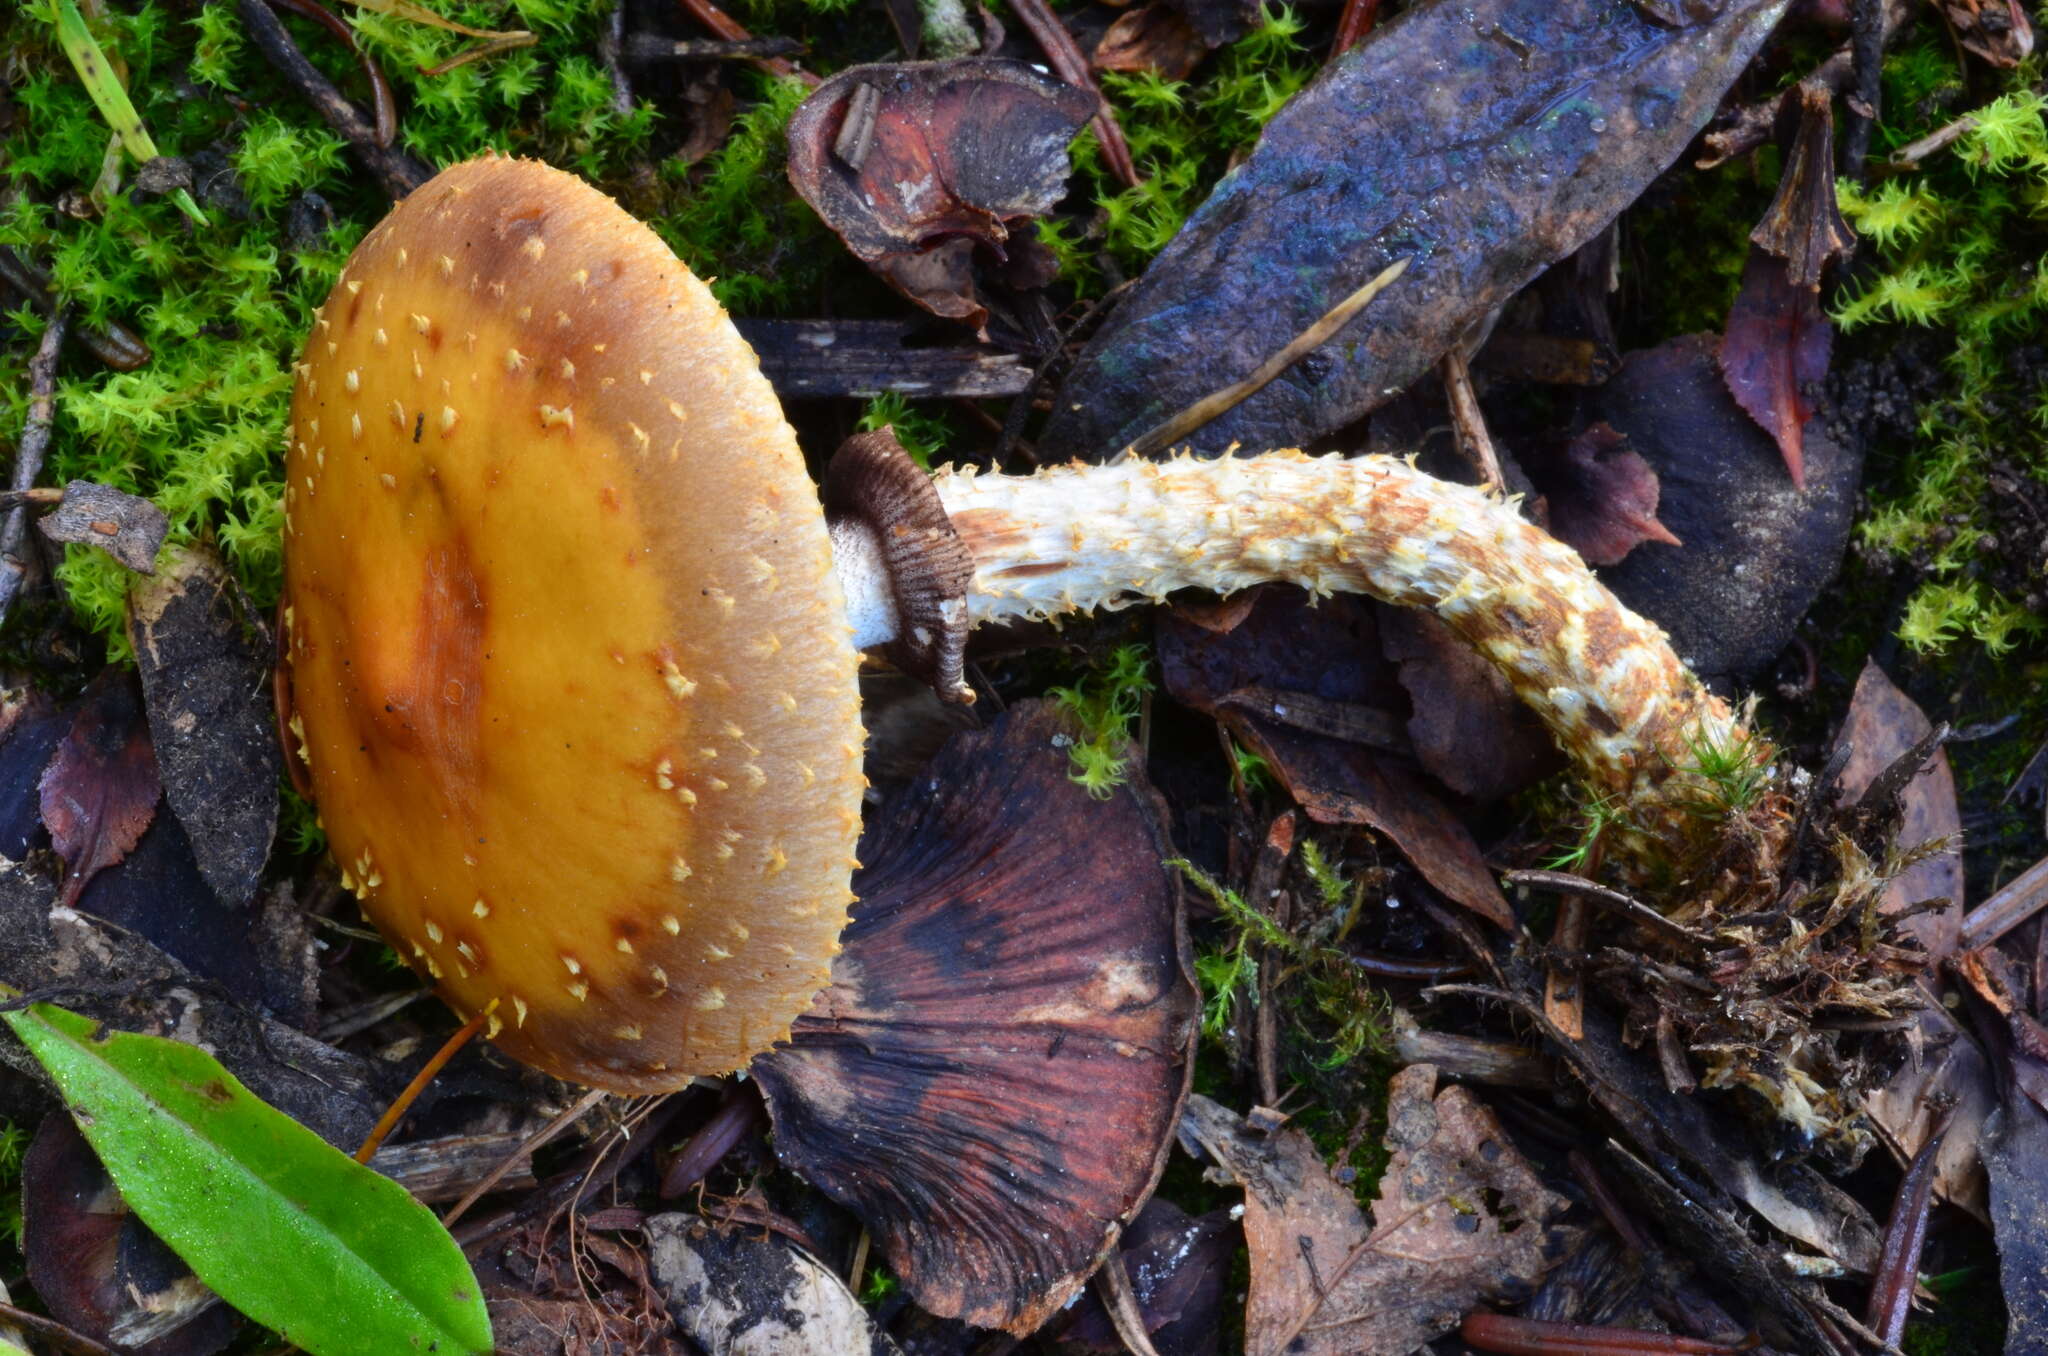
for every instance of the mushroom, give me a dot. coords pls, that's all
(569, 650)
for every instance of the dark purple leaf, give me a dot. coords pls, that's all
(100, 790)
(1775, 354)
(1602, 497)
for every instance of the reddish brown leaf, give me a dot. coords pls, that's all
(1150, 38)
(1776, 349)
(1602, 497)
(992, 1081)
(926, 168)
(100, 790)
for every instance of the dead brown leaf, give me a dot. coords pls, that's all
(1460, 1217)
(100, 790)
(1602, 497)
(1150, 38)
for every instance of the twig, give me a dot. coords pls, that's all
(1755, 124)
(382, 104)
(1263, 893)
(395, 171)
(1867, 60)
(1113, 1284)
(28, 456)
(1898, 1265)
(1564, 995)
(1353, 25)
(1218, 403)
(654, 47)
(1538, 1337)
(50, 1330)
(1067, 62)
(1578, 887)
(731, 30)
(526, 1151)
(117, 346)
(1907, 158)
(2014, 903)
(1468, 424)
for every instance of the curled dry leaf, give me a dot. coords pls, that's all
(1150, 37)
(128, 528)
(205, 659)
(1602, 497)
(1481, 141)
(922, 167)
(100, 790)
(739, 1292)
(992, 1080)
(1461, 1217)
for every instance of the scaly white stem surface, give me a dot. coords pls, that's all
(1080, 538)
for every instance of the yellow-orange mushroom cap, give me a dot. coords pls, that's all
(568, 666)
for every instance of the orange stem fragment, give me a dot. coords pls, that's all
(396, 1111)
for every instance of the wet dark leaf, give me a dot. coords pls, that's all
(1307, 689)
(739, 1293)
(205, 660)
(1150, 37)
(35, 728)
(97, 1266)
(1775, 354)
(2016, 1159)
(1804, 224)
(923, 167)
(127, 528)
(1470, 730)
(1602, 496)
(100, 789)
(992, 1080)
(1479, 141)
(1757, 551)
(1461, 1216)
(1180, 1271)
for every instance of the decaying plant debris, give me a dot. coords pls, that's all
(1235, 974)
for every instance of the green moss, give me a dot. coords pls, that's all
(1958, 247)
(13, 1144)
(739, 224)
(926, 430)
(1104, 704)
(224, 307)
(1182, 136)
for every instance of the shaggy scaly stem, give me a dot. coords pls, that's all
(1080, 538)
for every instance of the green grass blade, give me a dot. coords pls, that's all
(108, 95)
(333, 1257)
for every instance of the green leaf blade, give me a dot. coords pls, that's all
(330, 1255)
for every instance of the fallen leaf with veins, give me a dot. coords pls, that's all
(1602, 497)
(1461, 1217)
(100, 790)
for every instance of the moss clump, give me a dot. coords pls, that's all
(1957, 247)
(1182, 135)
(1104, 704)
(224, 308)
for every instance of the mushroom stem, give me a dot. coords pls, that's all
(1079, 538)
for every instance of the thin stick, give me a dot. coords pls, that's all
(396, 1111)
(1218, 403)
(28, 456)
(395, 171)
(1353, 25)
(1564, 996)
(533, 1142)
(730, 29)
(1113, 1284)
(382, 102)
(1907, 158)
(654, 47)
(50, 1330)
(1467, 423)
(2015, 902)
(1067, 62)
(1867, 34)
(1578, 887)
(117, 346)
